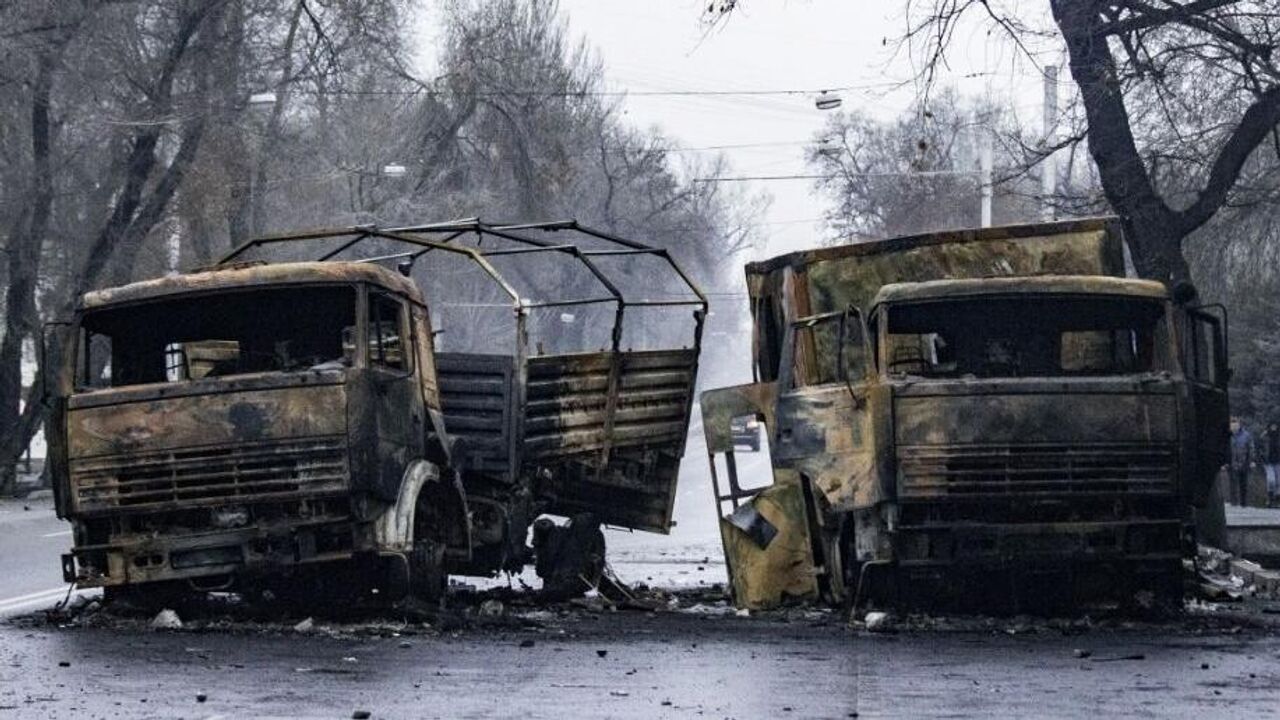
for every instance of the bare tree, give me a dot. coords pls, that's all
(1178, 95)
(125, 127)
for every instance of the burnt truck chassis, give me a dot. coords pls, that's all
(1047, 518)
(594, 436)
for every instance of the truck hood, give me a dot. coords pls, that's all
(166, 416)
(1128, 409)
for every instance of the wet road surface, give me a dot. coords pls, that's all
(667, 664)
(653, 665)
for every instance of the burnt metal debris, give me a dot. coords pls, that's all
(992, 417)
(404, 401)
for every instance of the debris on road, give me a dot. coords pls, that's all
(878, 622)
(166, 619)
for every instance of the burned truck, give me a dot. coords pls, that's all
(995, 416)
(367, 408)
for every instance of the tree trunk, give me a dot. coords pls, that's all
(1150, 225)
(21, 318)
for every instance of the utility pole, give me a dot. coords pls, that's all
(987, 190)
(1049, 165)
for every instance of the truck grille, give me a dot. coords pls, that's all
(246, 472)
(1034, 471)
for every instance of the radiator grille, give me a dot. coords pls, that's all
(246, 472)
(1031, 471)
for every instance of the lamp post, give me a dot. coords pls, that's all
(258, 102)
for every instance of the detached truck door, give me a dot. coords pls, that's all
(1204, 351)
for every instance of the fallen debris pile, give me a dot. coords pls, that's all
(1227, 578)
(1233, 594)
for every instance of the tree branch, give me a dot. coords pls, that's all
(1255, 125)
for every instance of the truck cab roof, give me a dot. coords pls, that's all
(253, 275)
(1028, 285)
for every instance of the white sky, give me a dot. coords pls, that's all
(662, 45)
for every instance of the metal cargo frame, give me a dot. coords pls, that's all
(647, 395)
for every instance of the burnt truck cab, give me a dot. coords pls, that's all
(1043, 436)
(213, 425)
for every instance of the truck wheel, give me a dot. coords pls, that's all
(427, 577)
(569, 559)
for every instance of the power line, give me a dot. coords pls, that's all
(747, 178)
(596, 93)
(707, 148)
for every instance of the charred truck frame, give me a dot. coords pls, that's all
(957, 416)
(302, 403)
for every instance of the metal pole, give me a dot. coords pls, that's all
(1049, 166)
(987, 190)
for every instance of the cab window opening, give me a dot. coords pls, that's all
(1026, 337)
(217, 335)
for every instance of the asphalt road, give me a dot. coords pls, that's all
(32, 541)
(639, 665)
(699, 661)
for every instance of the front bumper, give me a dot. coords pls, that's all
(1003, 545)
(258, 549)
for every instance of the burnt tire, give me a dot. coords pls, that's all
(427, 576)
(569, 559)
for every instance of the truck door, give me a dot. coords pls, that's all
(398, 401)
(824, 433)
(773, 528)
(1204, 357)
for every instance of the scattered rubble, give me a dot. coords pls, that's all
(1227, 578)
(878, 622)
(1233, 595)
(166, 619)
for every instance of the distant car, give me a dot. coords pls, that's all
(746, 431)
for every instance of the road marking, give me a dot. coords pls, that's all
(60, 533)
(14, 604)
(23, 600)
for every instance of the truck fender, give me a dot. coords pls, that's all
(393, 531)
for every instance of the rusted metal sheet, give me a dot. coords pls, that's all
(130, 420)
(242, 472)
(250, 276)
(1030, 411)
(852, 274)
(476, 395)
(782, 569)
(1039, 285)
(654, 395)
(565, 404)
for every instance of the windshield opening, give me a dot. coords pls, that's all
(219, 335)
(1026, 337)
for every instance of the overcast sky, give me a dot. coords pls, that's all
(663, 45)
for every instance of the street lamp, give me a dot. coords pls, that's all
(827, 101)
(257, 101)
(262, 99)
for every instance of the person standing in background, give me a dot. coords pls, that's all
(1241, 460)
(1271, 462)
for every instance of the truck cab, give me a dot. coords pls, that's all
(1042, 436)
(218, 424)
